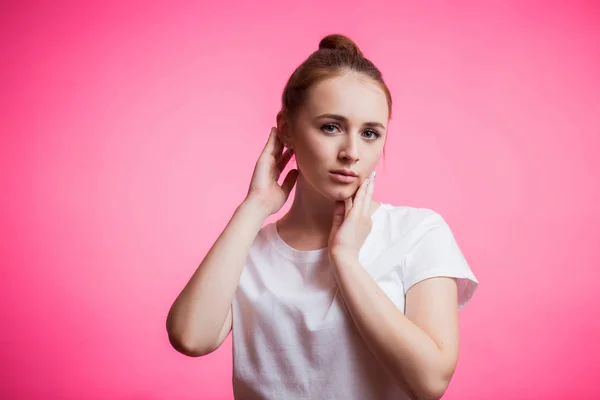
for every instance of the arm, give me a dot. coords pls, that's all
(200, 318)
(419, 348)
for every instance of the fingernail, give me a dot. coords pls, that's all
(373, 174)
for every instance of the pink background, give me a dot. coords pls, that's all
(129, 133)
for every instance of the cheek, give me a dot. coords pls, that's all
(373, 157)
(311, 153)
(307, 161)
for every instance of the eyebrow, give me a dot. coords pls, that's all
(343, 119)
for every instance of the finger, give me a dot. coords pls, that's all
(283, 160)
(271, 142)
(338, 215)
(289, 181)
(369, 193)
(271, 146)
(278, 145)
(360, 195)
(347, 206)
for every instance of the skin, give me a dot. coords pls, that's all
(324, 143)
(419, 348)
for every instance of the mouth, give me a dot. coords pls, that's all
(343, 176)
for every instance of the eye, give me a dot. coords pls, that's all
(372, 134)
(329, 128)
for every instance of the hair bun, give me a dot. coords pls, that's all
(340, 43)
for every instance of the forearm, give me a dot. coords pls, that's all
(405, 350)
(197, 315)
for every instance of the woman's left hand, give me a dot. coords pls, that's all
(351, 223)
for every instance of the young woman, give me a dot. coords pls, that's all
(343, 297)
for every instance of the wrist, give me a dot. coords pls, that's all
(256, 206)
(341, 257)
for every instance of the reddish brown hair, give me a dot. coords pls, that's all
(337, 54)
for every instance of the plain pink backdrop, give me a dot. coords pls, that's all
(129, 131)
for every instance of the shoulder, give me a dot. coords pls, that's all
(405, 222)
(409, 213)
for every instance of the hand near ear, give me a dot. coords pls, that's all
(264, 187)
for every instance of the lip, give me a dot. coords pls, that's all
(343, 176)
(346, 172)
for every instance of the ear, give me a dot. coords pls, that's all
(283, 130)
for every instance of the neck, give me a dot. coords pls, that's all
(306, 226)
(310, 211)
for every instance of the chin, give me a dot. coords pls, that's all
(340, 193)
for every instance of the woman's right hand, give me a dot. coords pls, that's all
(264, 188)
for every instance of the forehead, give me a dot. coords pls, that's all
(354, 96)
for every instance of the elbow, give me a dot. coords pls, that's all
(189, 347)
(434, 384)
(431, 387)
(187, 343)
(433, 390)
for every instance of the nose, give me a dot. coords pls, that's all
(349, 149)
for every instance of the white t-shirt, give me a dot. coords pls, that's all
(293, 337)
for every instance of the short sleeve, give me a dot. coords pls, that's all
(436, 254)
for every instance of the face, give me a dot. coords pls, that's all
(338, 135)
